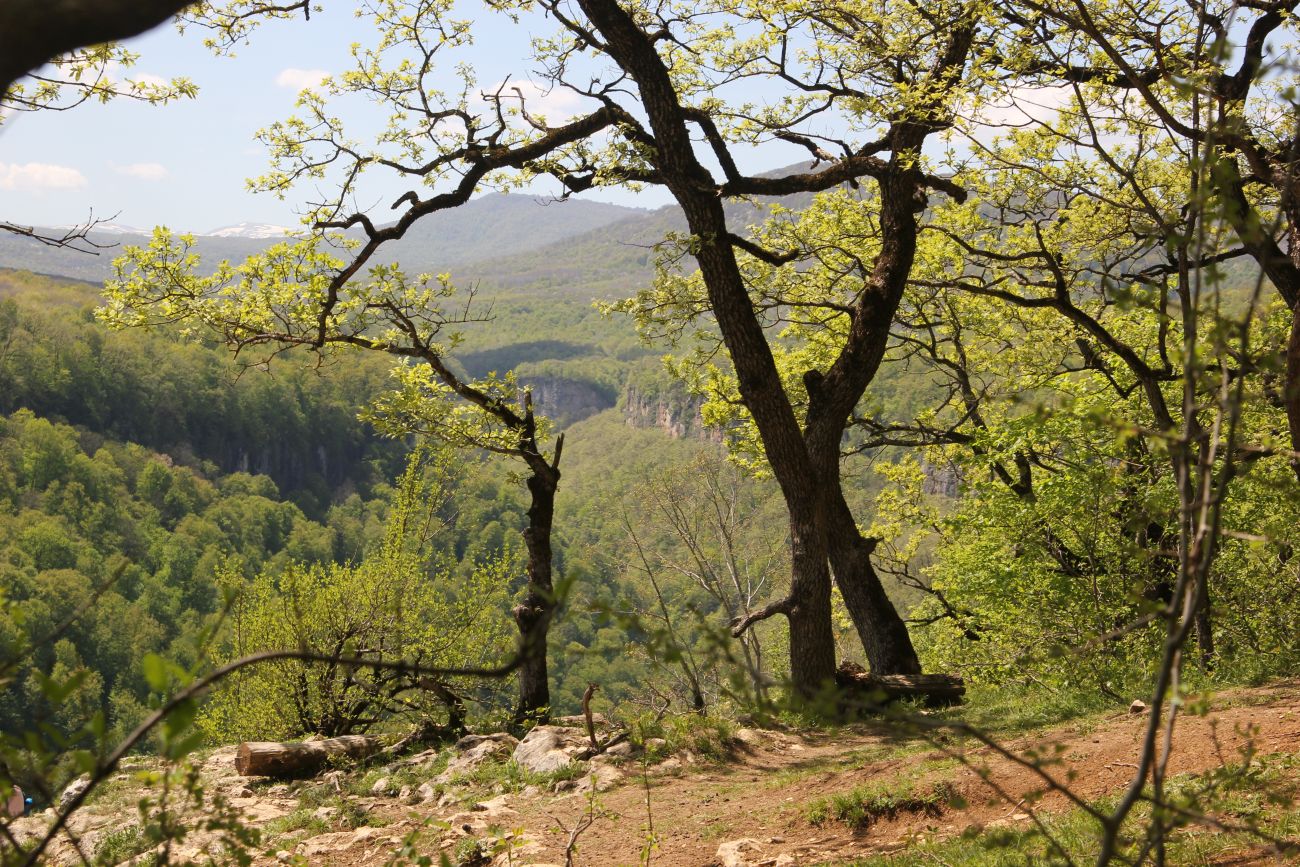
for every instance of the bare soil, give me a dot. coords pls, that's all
(764, 790)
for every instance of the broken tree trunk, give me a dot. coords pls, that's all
(271, 759)
(935, 690)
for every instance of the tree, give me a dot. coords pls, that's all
(298, 294)
(649, 96)
(402, 601)
(1206, 78)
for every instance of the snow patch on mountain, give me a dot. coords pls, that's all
(250, 230)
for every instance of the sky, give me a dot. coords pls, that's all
(184, 165)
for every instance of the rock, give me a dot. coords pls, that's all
(500, 802)
(425, 758)
(403, 793)
(601, 775)
(474, 750)
(579, 721)
(672, 765)
(750, 737)
(427, 792)
(745, 852)
(380, 787)
(655, 743)
(74, 790)
(546, 749)
(1138, 706)
(622, 750)
(314, 848)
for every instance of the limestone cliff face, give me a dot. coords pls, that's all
(672, 411)
(566, 401)
(942, 479)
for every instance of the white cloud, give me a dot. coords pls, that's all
(144, 171)
(39, 177)
(300, 79)
(1024, 105)
(149, 79)
(557, 106)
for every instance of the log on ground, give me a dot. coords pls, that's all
(273, 759)
(935, 690)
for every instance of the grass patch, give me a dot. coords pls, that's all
(301, 819)
(123, 845)
(862, 806)
(1006, 710)
(1261, 795)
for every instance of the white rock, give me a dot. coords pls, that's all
(1138, 706)
(745, 852)
(500, 802)
(74, 789)
(622, 750)
(601, 775)
(474, 750)
(548, 748)
(426, 792)
(424, 758)
(380, 787)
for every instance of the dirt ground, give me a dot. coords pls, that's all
(764, 792)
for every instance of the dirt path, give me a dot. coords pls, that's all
(765, 793)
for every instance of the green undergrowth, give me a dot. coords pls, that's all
(123, 845)
(864, 805)
(1254, 805)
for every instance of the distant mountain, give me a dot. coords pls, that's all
(486, 228)
(257, 231)
(109, 228)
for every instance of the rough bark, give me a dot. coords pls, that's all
(812, 648)
(832, 398)
(534, 613)
(1292, 386)
(272, 759)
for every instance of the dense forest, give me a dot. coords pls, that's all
(983, 416)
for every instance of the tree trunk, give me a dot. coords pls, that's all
(884, 635)
(533, 614)
(812, 636)
(1292, 386)
(272, 759)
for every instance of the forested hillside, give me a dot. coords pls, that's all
(932, 498)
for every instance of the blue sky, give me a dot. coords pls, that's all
(184, 165)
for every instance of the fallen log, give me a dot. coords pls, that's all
(272, 759)
(936, 690)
